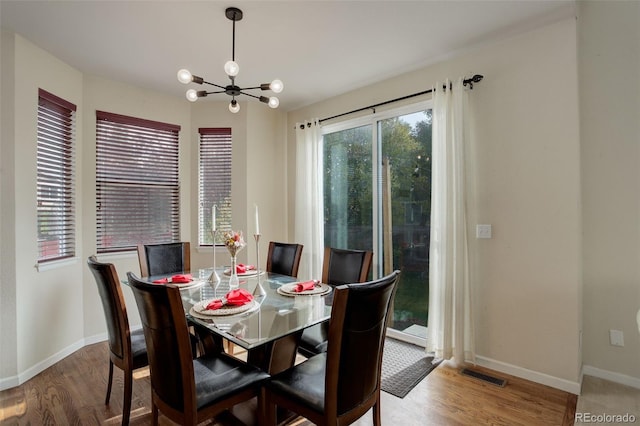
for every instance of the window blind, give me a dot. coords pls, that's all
(137, 186)
(214, 182)
(55, 177)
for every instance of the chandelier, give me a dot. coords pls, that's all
(232, 69)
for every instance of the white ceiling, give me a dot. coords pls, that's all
(317, 48)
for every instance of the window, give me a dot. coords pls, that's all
(214, 182)
(383, 164)
(55, 180)
(137, 187)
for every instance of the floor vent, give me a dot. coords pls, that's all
(484, 377)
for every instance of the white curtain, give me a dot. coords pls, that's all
(309, 219)
(450, 332)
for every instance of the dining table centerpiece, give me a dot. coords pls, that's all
(234, 242)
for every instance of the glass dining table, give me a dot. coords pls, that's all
(270, 328)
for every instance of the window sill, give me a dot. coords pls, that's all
(56, 264)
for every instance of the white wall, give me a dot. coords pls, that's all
(49, 314)
(609, 63)
(8, 327)
(266, 174)
(257, 177)
(527, 279)
(105, 95)
(47, 303)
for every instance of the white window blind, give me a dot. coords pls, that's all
(55, 177)
(137, 186)
(214, 182)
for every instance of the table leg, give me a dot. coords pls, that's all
(276, 356)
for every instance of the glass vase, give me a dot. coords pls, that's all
(234, 282)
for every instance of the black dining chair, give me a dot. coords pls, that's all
(127, 349)
(284, 258)
(168, 258)
(186, 390)
(339, 267)
(159, 259)
(340, 385)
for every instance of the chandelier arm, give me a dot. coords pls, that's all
(233, 42)
(217, 91)
(215, 85)
(249, 94)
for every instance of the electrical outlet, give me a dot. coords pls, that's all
(483, 231)
(616, 338)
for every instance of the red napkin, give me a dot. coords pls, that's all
(180, 278)
(241, 268)
(304, 286)
(237, 297)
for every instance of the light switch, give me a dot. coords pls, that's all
(483, 231)
(616, 337)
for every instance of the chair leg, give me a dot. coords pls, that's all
(126, 404)
(376, 412)
(267, 410)
(154, 414)
(109, 383)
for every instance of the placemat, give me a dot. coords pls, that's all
(249, 273)
(199, 309)
(288, 290)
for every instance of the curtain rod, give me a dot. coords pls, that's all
(475, 79)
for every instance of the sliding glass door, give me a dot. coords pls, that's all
(348, 194)
(377, 196)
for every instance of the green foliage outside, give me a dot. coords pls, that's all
(405, 142)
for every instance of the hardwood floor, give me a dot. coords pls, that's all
(72, 393)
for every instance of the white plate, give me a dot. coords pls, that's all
(288, 290)
(249, 273)
(200, 308)
(191, 283)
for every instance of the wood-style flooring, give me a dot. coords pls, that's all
(72, 393)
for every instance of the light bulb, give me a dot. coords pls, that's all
(234, 106)
(192, 95)
(184, 76)
(231, 68)
(274, 102)
(276, 86)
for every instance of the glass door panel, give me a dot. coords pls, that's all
(348, 199)
(369, 171)
(406, 150)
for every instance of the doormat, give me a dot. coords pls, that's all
(404, 365)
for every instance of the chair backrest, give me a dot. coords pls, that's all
(168, 345)
(345, 266)
(158, 259)
(356, 339)
(115, 311)
(284, 258)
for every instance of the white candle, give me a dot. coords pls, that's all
(257, 224)
(213, 218)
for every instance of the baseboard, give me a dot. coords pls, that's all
(97, 338)
(534, 376)
(13, 381)
(611, 376)
(9, 382)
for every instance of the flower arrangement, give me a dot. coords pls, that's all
(233, 241)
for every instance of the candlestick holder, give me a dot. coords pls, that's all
(214, 278)
(259, 290)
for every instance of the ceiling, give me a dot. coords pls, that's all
(319, 49)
